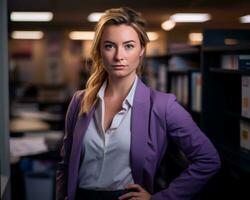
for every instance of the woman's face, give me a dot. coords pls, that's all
(120, 50)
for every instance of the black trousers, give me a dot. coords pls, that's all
(83, 194)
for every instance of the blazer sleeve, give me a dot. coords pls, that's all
(62, 168)
(203, 157)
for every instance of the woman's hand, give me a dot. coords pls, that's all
(139, 194)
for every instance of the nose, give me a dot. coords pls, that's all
(119, 54)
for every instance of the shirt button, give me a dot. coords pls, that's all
(98, 157)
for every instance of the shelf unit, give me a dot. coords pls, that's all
(154, 72)
(221, 97)
(175, 161)
(220, 114)
(191, 55)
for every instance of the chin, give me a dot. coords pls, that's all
(120, 74)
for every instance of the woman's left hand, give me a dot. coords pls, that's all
(139, 194)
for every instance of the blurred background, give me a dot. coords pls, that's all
(199, 50)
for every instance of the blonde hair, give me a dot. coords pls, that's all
(114, 16)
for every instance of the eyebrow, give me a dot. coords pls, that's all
(129, 41)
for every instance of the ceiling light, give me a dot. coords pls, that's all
(190, 17)
(27, 35)
(245, 19)
(94, 17)
(31, 16)
(82, 35)
(168, 25)
(152, 36)
(195, 38)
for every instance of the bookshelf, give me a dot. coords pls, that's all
(175, 72)
(154, 72)
(181, 65)
(221, 116)
(183, 75)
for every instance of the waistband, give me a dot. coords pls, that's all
(84, 194)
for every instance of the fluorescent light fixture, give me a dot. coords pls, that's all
(245, 19)
(94, 17)
(168, 25)
(195, 38)
(190, 17)
(31, 16)
(152, 36)
(27, 35)
(82, 35)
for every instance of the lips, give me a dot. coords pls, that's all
(118, 66)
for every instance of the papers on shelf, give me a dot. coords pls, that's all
(34, 143)
(27, 146)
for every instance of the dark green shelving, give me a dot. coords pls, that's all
(221, 105)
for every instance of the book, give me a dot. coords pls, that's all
(229, 61)
(235, 61)
(245, 96)
(179, 86)
(244, 62)
(245, 135)
(162, 78)
(185, 90)
(196, 82)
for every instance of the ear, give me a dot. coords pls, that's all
(142, 51)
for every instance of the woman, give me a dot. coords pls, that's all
(117, 130)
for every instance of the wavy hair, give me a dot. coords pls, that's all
(114, 16)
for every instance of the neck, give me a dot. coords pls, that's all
(119, 87)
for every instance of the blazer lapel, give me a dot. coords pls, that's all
(139, 130)
(81, 126)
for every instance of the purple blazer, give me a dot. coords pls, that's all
(156, 117)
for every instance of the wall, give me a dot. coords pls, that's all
(4, 105)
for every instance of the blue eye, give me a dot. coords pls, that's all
(108, 46)
(129, 46)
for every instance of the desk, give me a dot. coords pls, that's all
(35, 152)
(31, 156)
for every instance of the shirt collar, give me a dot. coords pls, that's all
(128, 100)
(130, 96)
(101, 91)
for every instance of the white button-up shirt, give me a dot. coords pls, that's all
(106, 162)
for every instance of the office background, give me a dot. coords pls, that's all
(205, 63)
